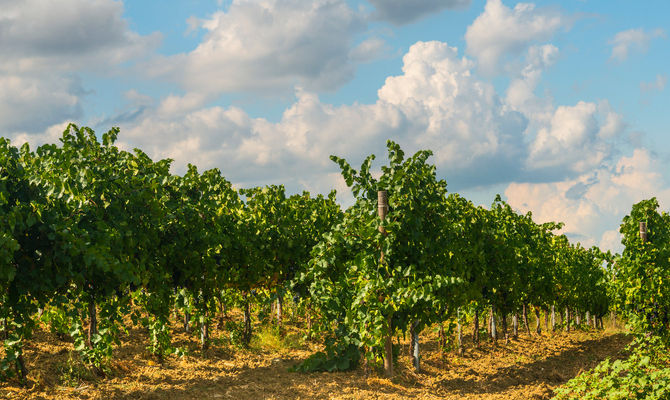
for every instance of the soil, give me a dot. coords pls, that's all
(529, 367)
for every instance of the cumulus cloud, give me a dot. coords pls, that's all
(45, 45)
(270, 45)
(501, 32)
(32, 103)
(593, 204)
(253, 151)
(564, 140)
(435, 103)
(632, 40)
(521, 95)
(461, 118)
(400, 12)
(49, 135)
(611, 240)
(45, 35)
(576, 138)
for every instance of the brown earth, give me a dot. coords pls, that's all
(527, 368)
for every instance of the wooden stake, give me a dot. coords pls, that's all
(92, 323)
(553, 318)
(515, 325)
(460, 332)
(388, 349)
(415, 347)
(475, 329)
(279, 309)
(504, 328)
(442, 340)
(382, 211)
(246, 332)
(546, 320)
(204, 333)
(494, 332)
(524, 314)
(187, 320)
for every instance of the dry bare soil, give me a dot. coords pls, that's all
(527, 368)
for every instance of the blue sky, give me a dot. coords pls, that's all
(559, 106)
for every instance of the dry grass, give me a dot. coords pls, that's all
(527, 368)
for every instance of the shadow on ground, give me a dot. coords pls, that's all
(502, 371)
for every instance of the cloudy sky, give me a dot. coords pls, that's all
(561, 106)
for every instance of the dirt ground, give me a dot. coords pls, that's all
(527, 368)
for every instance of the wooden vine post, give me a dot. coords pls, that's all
(643, 236)
(204, 333)
(382, 211)
(460, 333)
(475, 329)
(414, 346)
(553, 318)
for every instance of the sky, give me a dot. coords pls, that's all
(560, 106)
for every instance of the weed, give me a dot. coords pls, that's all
(271, 337)
(73, 371)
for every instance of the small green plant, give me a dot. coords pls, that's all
(268, 337)
(73, 371)
(235, 333)
(449, 342)
(645, 374)
(58, 320)
(343, 359)
(274, 338)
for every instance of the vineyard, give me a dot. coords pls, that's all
(96, 242)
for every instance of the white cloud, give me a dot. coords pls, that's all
(632, 40)
(520, 94)
(435, 103)
(67, 35)
(656, 85)
(46, 45)
(576, 138)
(563, 140)
(501, 32)
(32, 103)
(462, 119)
(593, 204)
(552, 202)
(368, 50)
(255, 150)
(401, 12)
(611, 240)
(270, 45)
(49, 135)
